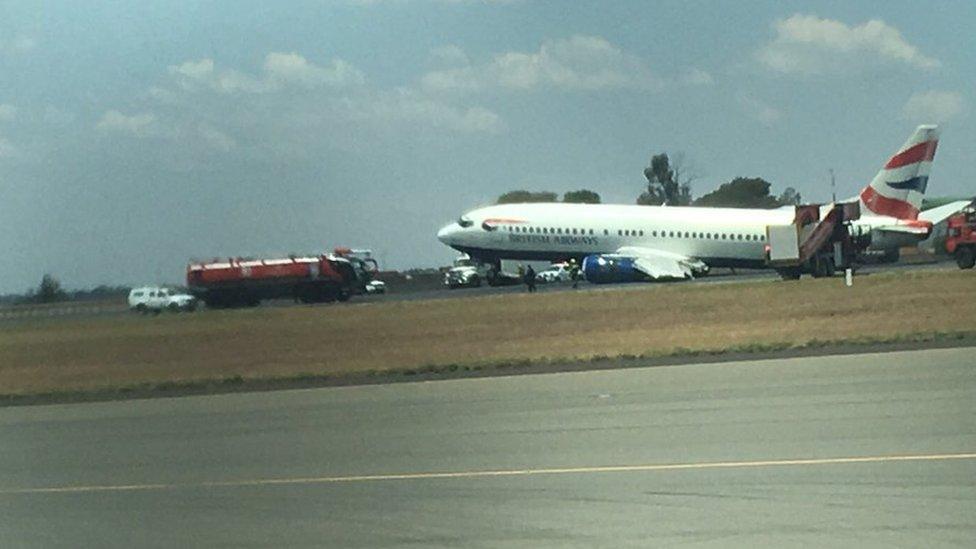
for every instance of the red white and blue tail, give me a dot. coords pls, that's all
(898, 188)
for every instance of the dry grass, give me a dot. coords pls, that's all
(86, 354)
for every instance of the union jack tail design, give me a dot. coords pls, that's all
(898, 188)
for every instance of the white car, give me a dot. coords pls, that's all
(376, 287)
(557, 272)
(154, 299)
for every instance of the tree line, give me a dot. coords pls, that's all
(49, 290)
(669, 183)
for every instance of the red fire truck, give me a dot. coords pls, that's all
(237, 282)
(961, 238)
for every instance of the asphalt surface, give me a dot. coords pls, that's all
(873, 450)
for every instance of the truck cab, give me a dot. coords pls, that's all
(466, 273)
(961, 238)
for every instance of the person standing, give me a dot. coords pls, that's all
(530, 278)
(574, 272)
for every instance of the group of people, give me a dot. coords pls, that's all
(528, 275)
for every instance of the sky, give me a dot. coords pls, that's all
(135, 136)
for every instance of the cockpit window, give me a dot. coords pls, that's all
(464, 221)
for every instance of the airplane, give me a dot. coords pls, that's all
(667, 242)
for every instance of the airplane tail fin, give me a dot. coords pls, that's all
(898, 188)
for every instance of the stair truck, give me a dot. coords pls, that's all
(818, 241)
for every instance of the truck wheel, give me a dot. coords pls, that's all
(476, 282)
(965, 257)
(343, 295)
(792, 273)
(823, 267)
(173, 308)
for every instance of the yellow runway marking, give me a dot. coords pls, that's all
(491, 473)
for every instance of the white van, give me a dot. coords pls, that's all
(157, 298)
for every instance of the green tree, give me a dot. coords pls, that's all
(517, 197)
(582, 196)
(49, 290)
(789, 197)
(667, 182)
(741, 192)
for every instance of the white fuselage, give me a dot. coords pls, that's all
(718, 236)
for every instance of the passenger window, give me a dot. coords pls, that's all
(606, 232)
(653, 233)
(671, 234)
(642, 233)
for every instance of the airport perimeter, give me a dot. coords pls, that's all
(486, 333)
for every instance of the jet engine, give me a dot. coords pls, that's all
(605, 269)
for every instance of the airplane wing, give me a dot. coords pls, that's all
(917, 229)
(936, 215)
(658, 264)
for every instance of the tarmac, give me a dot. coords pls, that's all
(868, 450)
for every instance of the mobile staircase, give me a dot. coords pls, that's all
(818, 241)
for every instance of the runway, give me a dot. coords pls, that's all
(434, 289)
(867, 450)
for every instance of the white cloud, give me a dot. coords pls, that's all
(585, 63)
(7, 149)
(406, 106)
(140, 125)
(293, 68)
(194, 70)
(289, 107)
(449, 55)
(18, 45)
(341, 97)
(162, 95)
(23, 44)
(7, 112)
(765, 114)
(934, 106)
(216, 138)
(806, 44)
(696, 77)
(280, 70)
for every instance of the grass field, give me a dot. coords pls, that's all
(642, 320)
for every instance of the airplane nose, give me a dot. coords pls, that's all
(447, 232)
